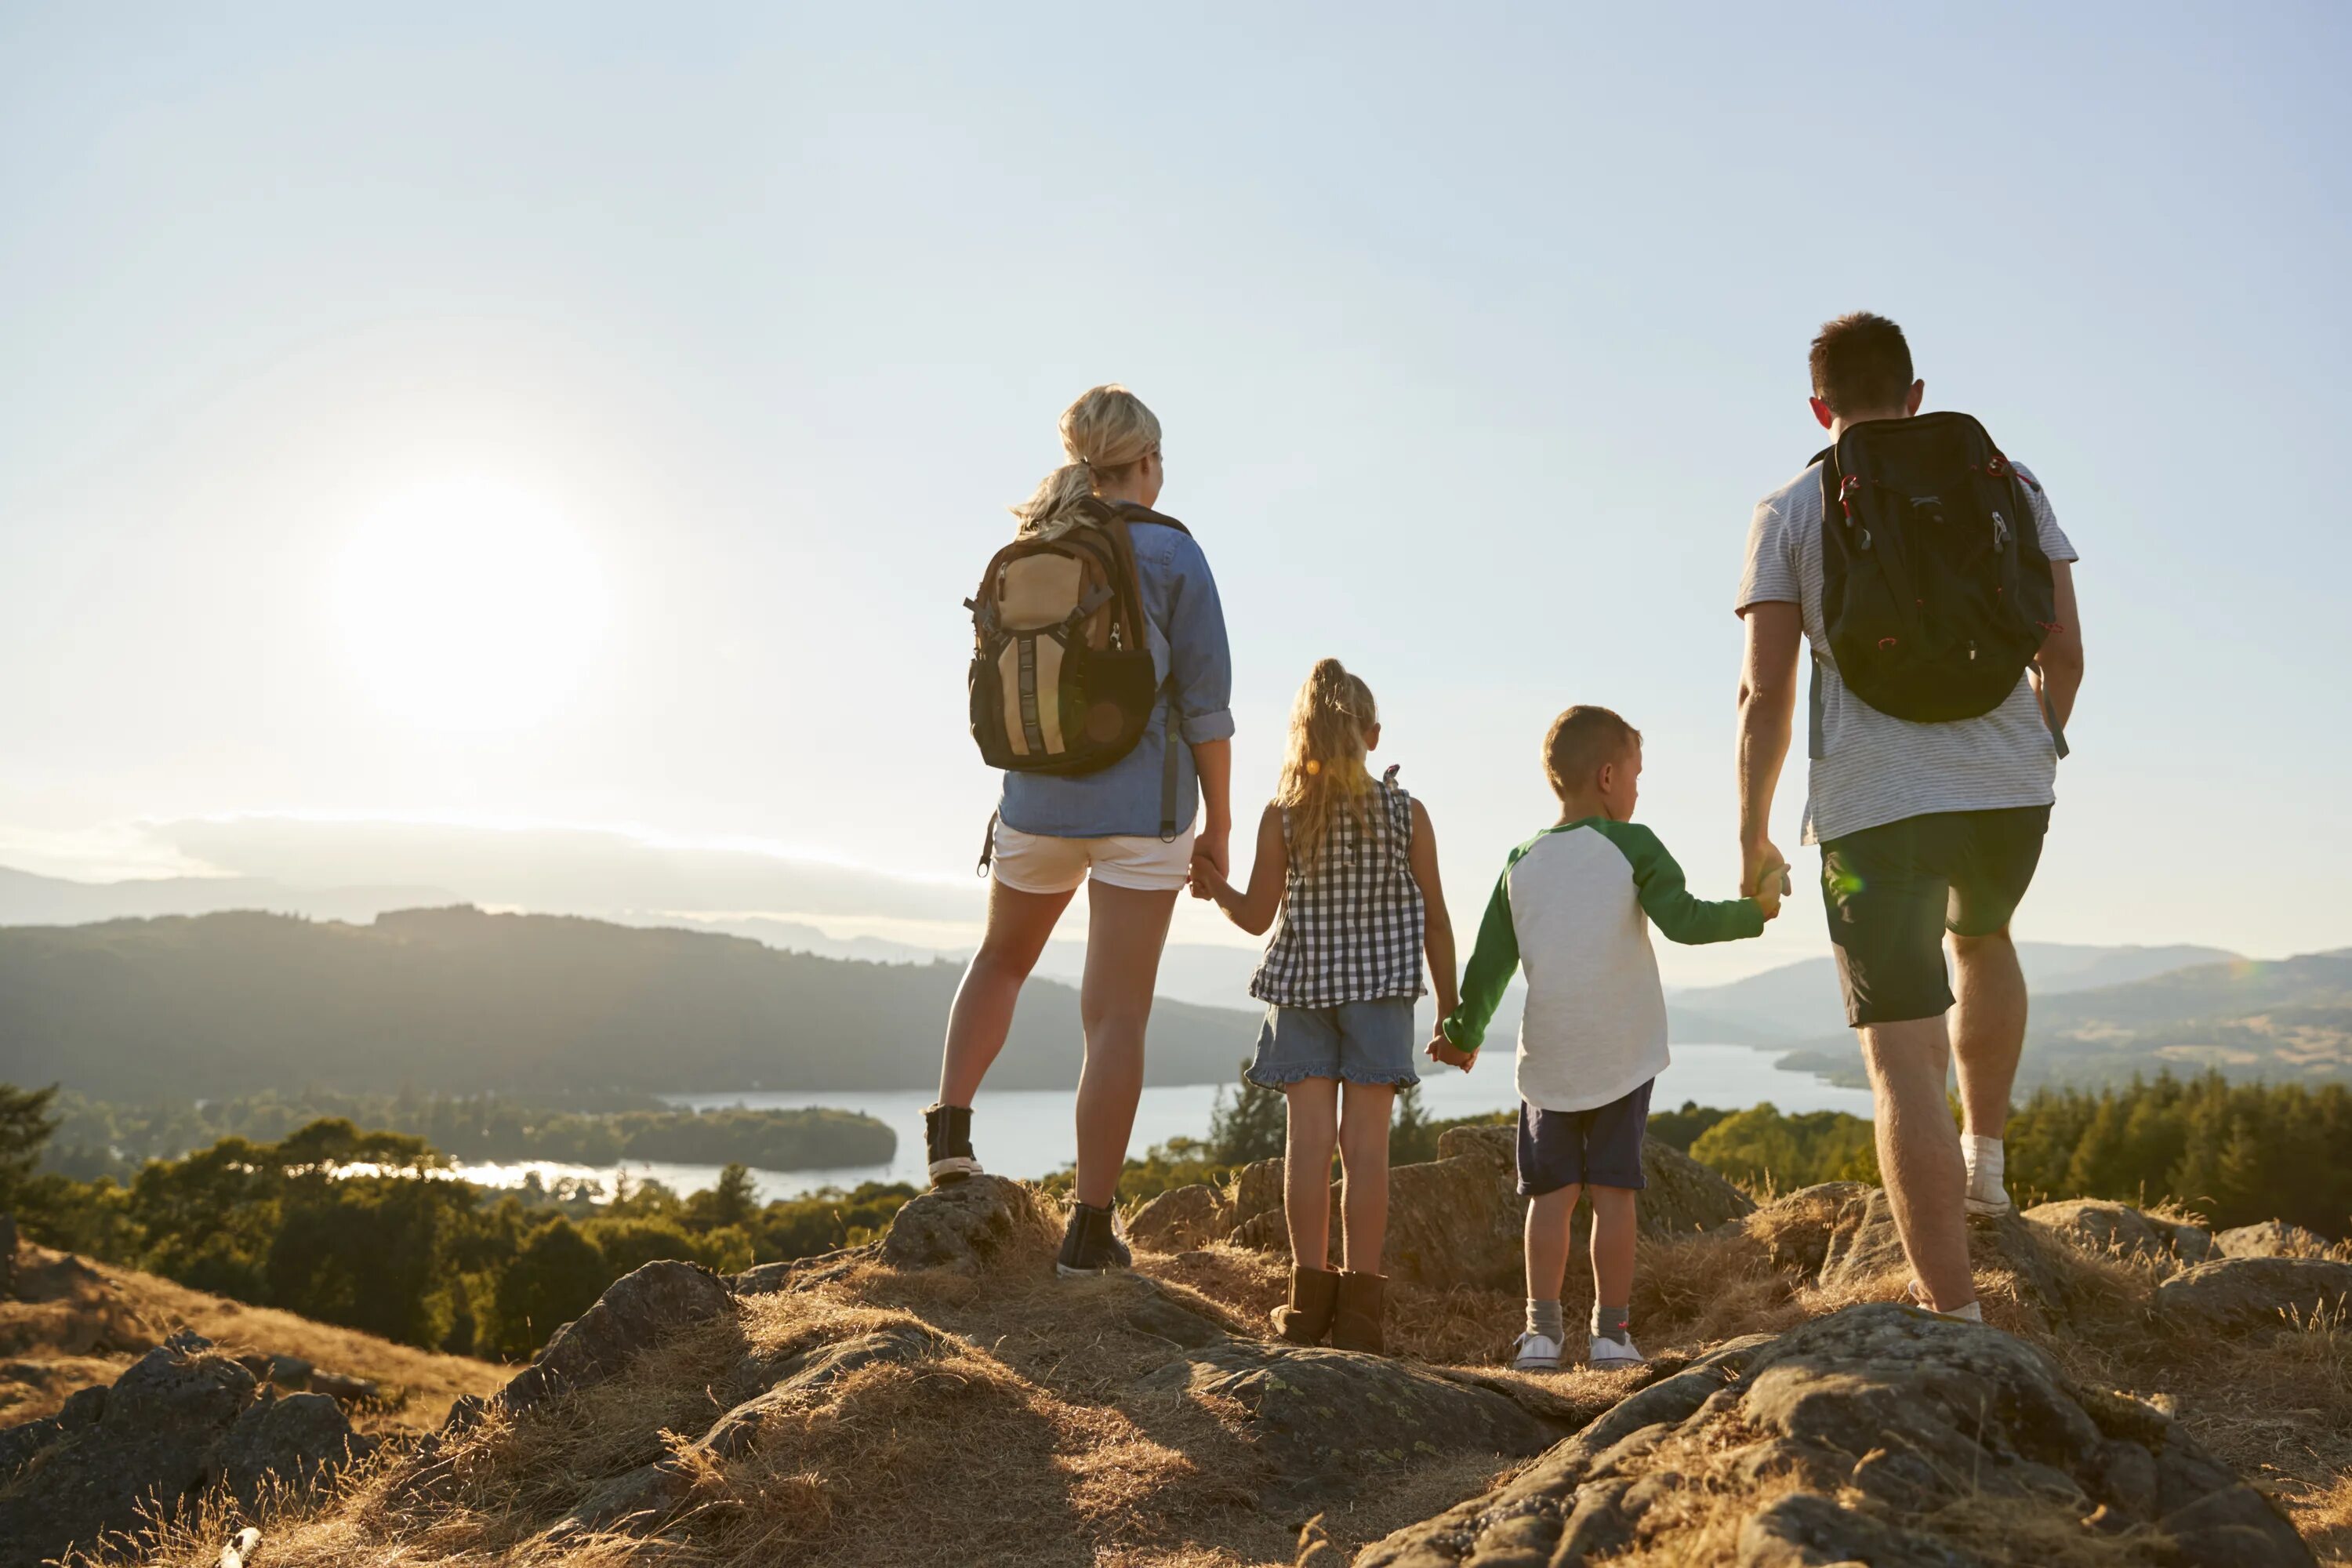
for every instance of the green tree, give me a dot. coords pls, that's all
(1252, 1128)
(557, 1275)
(1762, 1146)
(25, 1125)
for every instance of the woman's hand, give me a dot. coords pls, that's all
(1213, 849)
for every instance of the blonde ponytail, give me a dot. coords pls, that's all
(1105, 434)
(1323, 770)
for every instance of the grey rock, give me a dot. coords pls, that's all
(297, 1441)
(2271, 1238)
(633, 1502)
(1863, 1246)
(967, 1225)
(83, 1407)
(635, 1312)
(2251, 1294)
(1320, 1417)
(292, 1372)
(344, 1389)
(1256, 1190)
(1179, 1219)
(736, 1433)
(2109, 1229)
(1157, 1313)
(1907, 1409)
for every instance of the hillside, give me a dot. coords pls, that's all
(2283, 1020)
(455, 1000)
(69, 1323)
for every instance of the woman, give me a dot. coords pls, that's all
(1104, 828)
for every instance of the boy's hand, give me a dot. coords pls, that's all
(1771, 890)
(1443, 1050)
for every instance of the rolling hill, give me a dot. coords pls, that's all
(456, 1000)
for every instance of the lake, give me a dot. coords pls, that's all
(1029, 1133)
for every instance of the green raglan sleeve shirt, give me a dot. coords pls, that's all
(1658, 882)
(1493, 961)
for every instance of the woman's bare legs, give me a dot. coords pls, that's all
(1126, 929)
(1311, 1131)
(1364, 1159)
(1018, 926)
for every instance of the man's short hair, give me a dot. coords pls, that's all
(1861, 365)
(1580, 740)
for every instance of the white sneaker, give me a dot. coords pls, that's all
(1991, 1207)
(1605, 1355)
(1535, 1352)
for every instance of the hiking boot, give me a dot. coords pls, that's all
(1535, 1352)
(1605, 1355)
(1090, 1244)
(1314, 1294)
(947, 1139)
(1356, 1320)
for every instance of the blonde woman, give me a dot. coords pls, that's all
(1347, 875)
(1104, 828)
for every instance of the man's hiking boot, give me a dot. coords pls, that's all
(947, 1139)
(1090, 1244)
(1314, 1295)
(1356, 1321)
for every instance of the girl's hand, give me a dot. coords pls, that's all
(1443, 1050)
(1214, 848)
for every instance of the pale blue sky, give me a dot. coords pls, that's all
(1476, 334)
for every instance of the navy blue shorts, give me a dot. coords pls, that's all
(1597, 1148)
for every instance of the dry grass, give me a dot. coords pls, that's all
(76, 1324)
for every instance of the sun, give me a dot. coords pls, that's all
(470, 605)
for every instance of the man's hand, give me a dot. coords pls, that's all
(1760, 863)
(1443, 1050)
(1769, 893)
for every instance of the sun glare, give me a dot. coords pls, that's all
(470, 605)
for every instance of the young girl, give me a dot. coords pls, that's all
(1347, 875)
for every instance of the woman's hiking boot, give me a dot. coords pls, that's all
(1090, 1244)
(1314, 1296)
(1362, 1307)
(947, 1139)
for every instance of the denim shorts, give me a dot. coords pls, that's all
(1362, 1042)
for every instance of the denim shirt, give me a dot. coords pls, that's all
(1187, 631)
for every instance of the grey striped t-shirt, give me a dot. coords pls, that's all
(1873, 768)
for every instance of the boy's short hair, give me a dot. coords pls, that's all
(1861, 365)
(1580, 740)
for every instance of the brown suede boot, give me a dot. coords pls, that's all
(1362, 1309)
(1307, 1317)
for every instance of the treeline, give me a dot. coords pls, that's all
(96, 1138)
(371, 1230)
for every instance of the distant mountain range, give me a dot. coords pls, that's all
(456, 1000)
(27, 900)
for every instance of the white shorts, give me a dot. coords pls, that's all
(1038, 863)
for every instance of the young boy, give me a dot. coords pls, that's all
(1571, 908)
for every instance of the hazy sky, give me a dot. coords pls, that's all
(593, 416)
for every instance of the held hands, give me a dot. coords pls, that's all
(1443, 1050)
(1764, 876)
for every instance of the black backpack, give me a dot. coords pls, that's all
(1062, 677)
(1936, 594)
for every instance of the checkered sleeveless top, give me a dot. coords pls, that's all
(1350, 926)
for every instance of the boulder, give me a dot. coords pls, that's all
(1863, 1249)
(1320, 1417)
(1177, 1220)
(1256, 1190)
(183, 1418)
(2247, 1295)
(1847, 1440)
(2117, 1230)
(966, 1226)
(2271, 1238)
(344, 1389)
(1796, 1227)
(1458, 1219)
(639, 1311)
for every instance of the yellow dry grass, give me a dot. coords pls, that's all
(76, 1324)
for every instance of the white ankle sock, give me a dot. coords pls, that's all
(1985, 1157)
(1973, 1312)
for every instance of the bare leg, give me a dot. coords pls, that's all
(1364, 1157)
(1548, 1242)
(1919, 1154)
(1126, 929)
(1613, 1232)
(1314, 1127)
(1988, 1028)
(1018, 926)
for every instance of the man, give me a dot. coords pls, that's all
(1923, 828)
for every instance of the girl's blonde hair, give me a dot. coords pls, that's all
(1104, 432)
(1323, 770)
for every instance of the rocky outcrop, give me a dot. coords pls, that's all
(967, 1225)
(2251, 1295)
(1853, 1438)
(183, 1419)
(634, 1313)
(2106, 1229)
(1457, 1220)
(1863, 1250)
(2271, 1238)
(1179, 1219)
